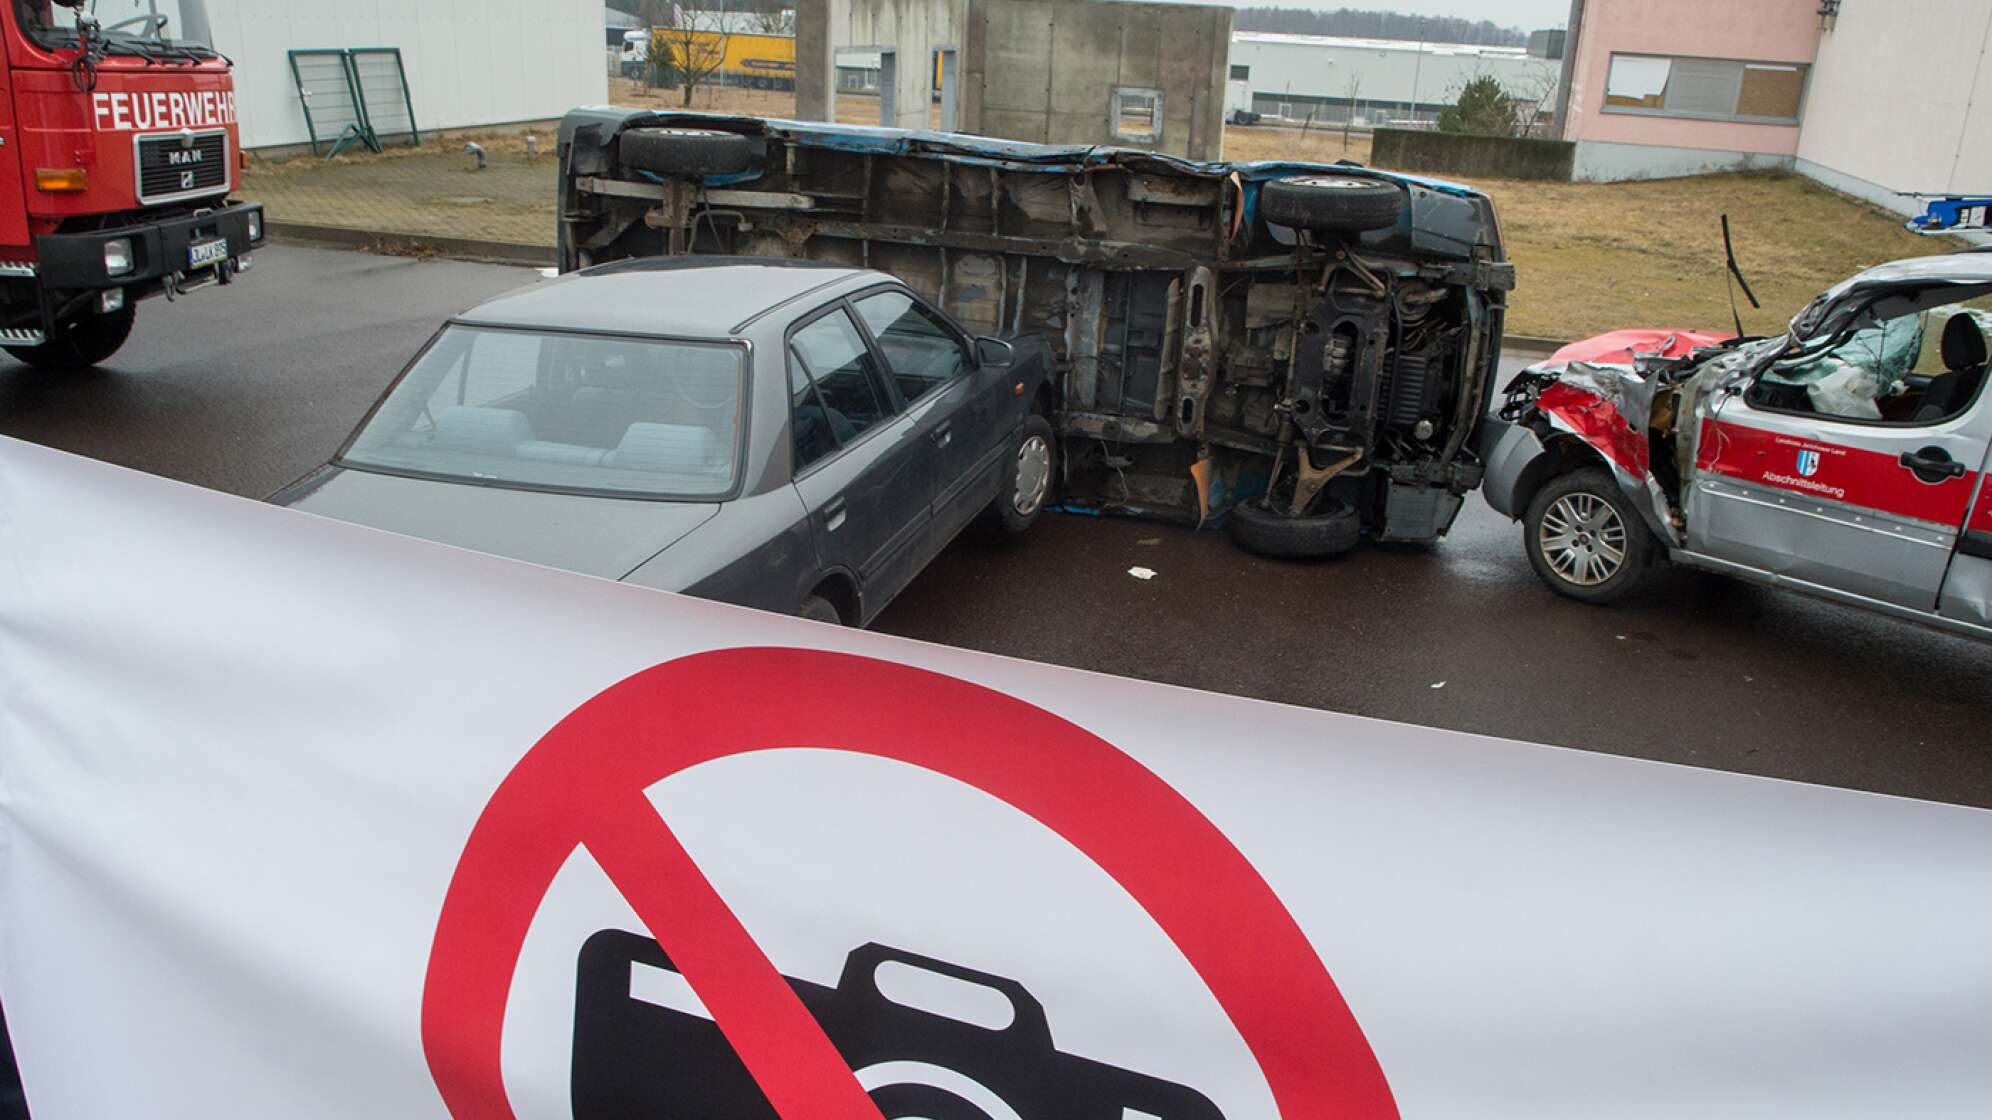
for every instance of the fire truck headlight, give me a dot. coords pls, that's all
(255, 225)
(117, 256)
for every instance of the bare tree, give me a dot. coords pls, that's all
(774, 21)
(692, 48)
(1534, 94)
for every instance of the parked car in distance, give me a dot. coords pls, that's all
(795, 437)
(1845, 458)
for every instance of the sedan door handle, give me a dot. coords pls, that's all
(1932, 461)
(833, 515)
(943, 435)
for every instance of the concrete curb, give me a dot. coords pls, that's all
(405, 244)
(1522, 345)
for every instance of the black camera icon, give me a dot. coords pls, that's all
(643, 1046)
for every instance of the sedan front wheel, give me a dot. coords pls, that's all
(1029, 479)
(1584, 538)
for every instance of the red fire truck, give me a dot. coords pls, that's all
(118, 151)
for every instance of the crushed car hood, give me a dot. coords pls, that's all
(1622, 348)
(605, 537)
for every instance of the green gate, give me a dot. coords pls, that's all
(353, 98)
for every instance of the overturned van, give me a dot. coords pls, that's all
(1303, 350)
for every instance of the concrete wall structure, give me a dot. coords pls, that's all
(1039, 70)
(911, 29)
(1781, 32)
(1048, 71)
(470, 63)
(1376, 81)
(1901, 103)
(1472, 157)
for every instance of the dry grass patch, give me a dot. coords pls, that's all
(852, 108)
(1598, 256)
(1314, 145)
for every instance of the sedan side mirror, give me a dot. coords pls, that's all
(994, 353)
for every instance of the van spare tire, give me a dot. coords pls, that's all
(1333, 530)
(1331, 203)
(688, 151)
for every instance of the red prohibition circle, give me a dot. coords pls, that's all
(584, 783)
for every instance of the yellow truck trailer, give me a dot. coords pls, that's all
(745, 59)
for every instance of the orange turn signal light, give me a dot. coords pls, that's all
(59, 180)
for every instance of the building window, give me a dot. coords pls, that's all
(1241, 73)
(1136, 114)
(1717, 89)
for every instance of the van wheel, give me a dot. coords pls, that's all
(688, 151)
(82, 342)
(1584, 539)
(1331, 203)
(1331, 532)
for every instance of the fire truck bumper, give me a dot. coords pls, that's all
(170, 253)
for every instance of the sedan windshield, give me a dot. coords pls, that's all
(563, 411)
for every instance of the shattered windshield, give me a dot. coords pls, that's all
(146, 28)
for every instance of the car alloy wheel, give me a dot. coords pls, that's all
(1583, 539)
(1033, 474)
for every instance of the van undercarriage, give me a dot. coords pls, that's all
(1317, 342)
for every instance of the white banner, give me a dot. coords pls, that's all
(300, 819)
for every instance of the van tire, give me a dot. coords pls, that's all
(688, 151)
(1332, 532)
(1331, 203)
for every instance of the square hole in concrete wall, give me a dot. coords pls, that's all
(1135, 114)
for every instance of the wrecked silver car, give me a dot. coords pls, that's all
(1844, 458)
(1304, 350)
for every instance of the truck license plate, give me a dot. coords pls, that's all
(204, 253)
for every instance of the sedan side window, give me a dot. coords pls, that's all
(809, 421)
(833, 390)
(921, 351)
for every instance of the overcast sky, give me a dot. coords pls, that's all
(1529, 15)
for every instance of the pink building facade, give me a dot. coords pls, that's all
(1657, 88)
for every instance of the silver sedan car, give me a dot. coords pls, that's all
(790, 436)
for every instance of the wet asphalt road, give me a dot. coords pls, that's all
(243, 390)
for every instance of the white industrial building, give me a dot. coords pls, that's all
(470, 63)
(1376, 81)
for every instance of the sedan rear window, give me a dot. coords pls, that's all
(561, 411)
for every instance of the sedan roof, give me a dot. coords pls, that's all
(695, 297)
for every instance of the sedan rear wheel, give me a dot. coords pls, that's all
(816, 608)
(1584, 538)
